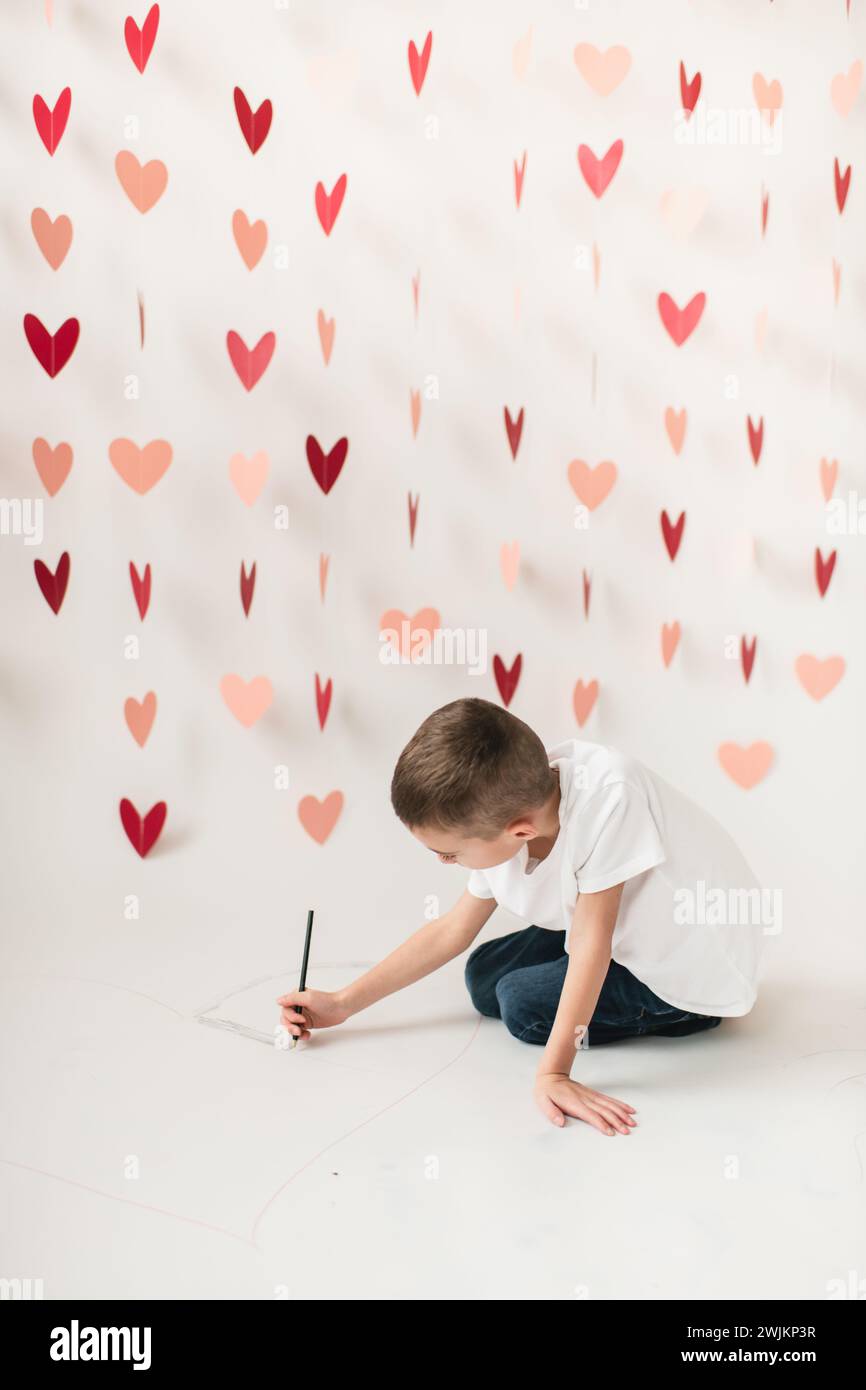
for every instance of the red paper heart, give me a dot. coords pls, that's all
(51, 124)
(52, 351)
(587, 592)
(747, 655)
(413, 515)
(842, 184)
(756, 438)
(326, 468)
(250, 364)
(254, 127)
(599, 172)
(142, 833)
(418, 64)
(139, 42)
(53, 586)
(323, 699)
(673, 534)
(689, 91)
(507, 678)
(140, 588)
(824, 570)
(248, 586)
(681, 323)
(514, 430)
(328, 204)
(765, 211)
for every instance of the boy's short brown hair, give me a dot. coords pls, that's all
(471, 766)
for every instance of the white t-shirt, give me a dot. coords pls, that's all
(692, 918)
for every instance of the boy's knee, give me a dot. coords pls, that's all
(511, 1008)
(478, 985)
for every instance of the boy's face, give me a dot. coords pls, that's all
(455, 847)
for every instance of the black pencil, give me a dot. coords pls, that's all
(303, 981)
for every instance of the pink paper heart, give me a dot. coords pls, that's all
(327, 328)
(319, 817)
(139, 717)
(509, 562)
(829, 471)
(746, 766)
(247, 700)
(603, 71)
(818, 678)
(675, 424)
(591, 485)
(140, 469)
(768, 97)
(251, 238)
(412, 634)
(143, 184)
(52, 465)
(682, 209)
(844, 88)
(670, 641)
(248, 475)
(584, 699)
(53, 238)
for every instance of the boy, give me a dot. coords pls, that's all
(598, 854)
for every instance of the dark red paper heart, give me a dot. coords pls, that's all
(673, 533)
(323, 699)
(254, 126)
(52, 351)
(248, 587)
(507, 677)
(142, 832)
(53, 586)
(514, 430)
(140, 588)
(326, 468)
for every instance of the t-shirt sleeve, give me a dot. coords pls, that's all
(616, 838)
(477, 885)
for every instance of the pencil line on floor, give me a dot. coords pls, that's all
(355, 1128)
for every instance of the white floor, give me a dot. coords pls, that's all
(401, 1156)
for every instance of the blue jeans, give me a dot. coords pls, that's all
(519, 979)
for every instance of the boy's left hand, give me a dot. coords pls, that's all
(557, 1096)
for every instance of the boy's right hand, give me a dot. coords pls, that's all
(320, 1010)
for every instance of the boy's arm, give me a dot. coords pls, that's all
(589, 947)
(431, 946)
